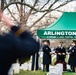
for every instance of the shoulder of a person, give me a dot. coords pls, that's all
(45, 45)
(63, 47)
(74, 47)
(58, 48)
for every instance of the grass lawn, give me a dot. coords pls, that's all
(40, 73)
(31, 73)
(69, 73)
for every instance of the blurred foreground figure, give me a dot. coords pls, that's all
(18, 43)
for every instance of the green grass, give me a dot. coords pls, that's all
(31, 73)
(69, 73)
(40, 73)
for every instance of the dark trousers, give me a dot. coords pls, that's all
(72, 68)
(35, 65)
(46, 67)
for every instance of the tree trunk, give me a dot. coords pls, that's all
(2, 4)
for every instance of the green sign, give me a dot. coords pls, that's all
(56, 34)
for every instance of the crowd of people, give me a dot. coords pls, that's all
(61, 53)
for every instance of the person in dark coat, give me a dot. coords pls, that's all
(60, 49)
(35, 64)
(61, 55)
(46, 55)
(18, 43)
(72, 58)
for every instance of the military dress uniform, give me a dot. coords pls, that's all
(72, 57)
(13, 46)
(46, 57)
(60, 50)
(60, 57)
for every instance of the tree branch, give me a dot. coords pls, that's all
(26, 17)
(45, 4)
(38, 19)
(35, 8)
(11, 13)
(62, 4)
(42, 15)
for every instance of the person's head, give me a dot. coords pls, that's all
(46, 42)
(73, 42)
(60, 44)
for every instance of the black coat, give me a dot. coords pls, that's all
(60, 50)
(46, 55)
(72, 57)
(13, 47)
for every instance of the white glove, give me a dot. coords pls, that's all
(63, 53)
(50, 52)
(59, 53)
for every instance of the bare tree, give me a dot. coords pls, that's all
(30, 12)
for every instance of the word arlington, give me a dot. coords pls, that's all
(59, 33)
